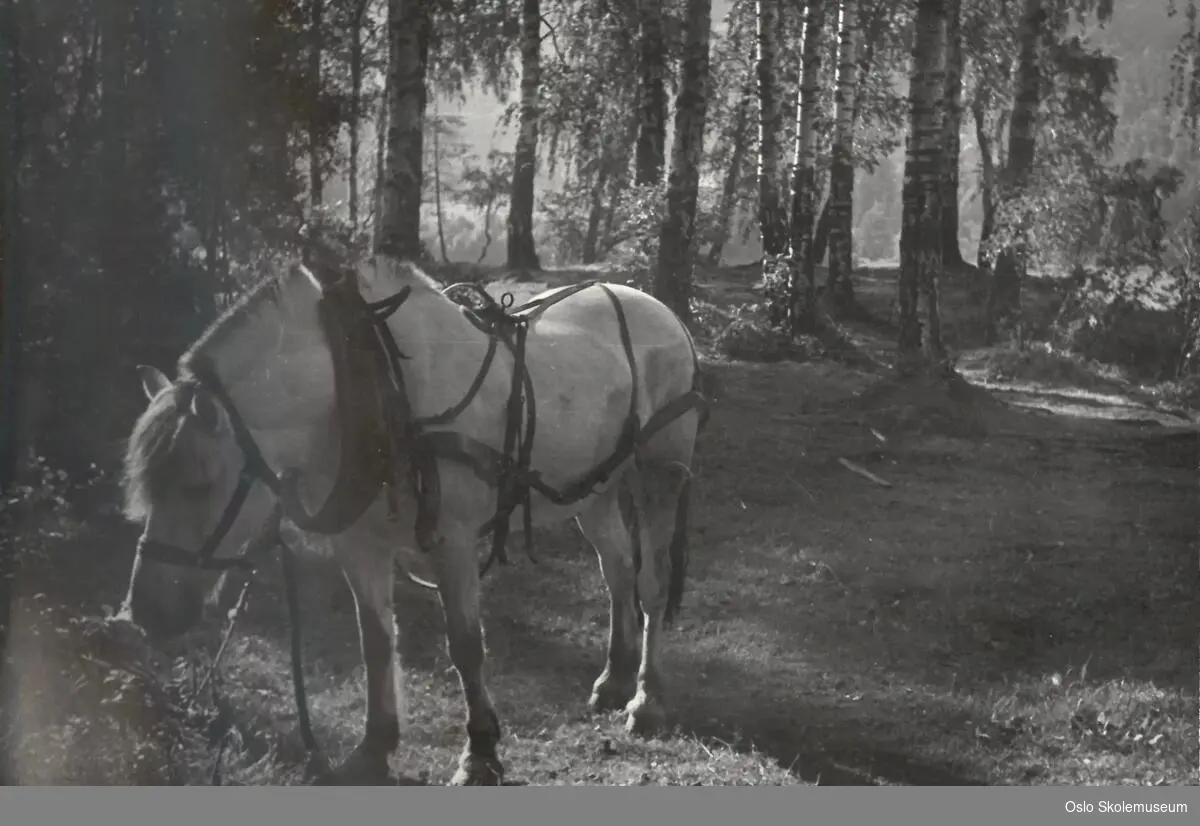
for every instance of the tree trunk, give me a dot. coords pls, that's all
(952, 136)
(617, 180)
(315, 124)
(652, 133)
(12, 303)
(673, 284)
(522, 255)
(920, 236)
(487, 229)
(399, 222)
(733, 176)
(987, 184)
(1004, 302)
(596, 210)
(771, 218)
(841, 174)
(356, 78)
(867, 25)
(802, 287)
(381, 133)
(437, 184)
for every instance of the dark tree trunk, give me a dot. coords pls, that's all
(12, 298)
(652, 133)
(596, 211)
(840, 205)
(952, 136)
(771, 216)
(399, 221)
(920, 237)
(522, 254)
(1004, 302)
(673, 283)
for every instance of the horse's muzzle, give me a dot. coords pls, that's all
(167, 612)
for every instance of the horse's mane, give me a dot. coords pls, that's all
(152, 458)
(263, 293)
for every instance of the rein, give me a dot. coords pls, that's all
(379, 434)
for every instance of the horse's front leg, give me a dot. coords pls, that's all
(369, 572)
(458, 579)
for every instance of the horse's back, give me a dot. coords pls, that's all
(586, 326)
(649, 322)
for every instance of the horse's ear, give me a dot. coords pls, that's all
(204, 409)
(153, 380)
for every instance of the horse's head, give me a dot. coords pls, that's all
(183, 477)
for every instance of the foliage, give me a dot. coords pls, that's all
(1134, 303)
(1043, 363)
(752, 339)
(1075, 131)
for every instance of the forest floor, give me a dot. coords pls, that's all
(1012, 600)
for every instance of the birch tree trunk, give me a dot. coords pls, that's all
(841, 173)
(522, 254)
(673, 281)
(399, 222)
(920, 235)
(356, 79)
(801, 287)
(381, 133)
(652, 132)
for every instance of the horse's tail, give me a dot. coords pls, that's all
(703, 382)
(678, 555)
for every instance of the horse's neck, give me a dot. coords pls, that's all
(278, 372)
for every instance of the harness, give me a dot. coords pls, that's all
(383, 444)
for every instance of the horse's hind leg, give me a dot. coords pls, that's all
(660, 490)
(368, 571)
(603, 526)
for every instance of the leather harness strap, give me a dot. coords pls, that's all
(379, 434)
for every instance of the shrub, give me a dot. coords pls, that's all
(1042, 362)
(754, 339)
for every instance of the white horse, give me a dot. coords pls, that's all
(284, 380)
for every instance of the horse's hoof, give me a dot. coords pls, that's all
(608, 696)
(362, 768)
(474, 770)
(647, 716)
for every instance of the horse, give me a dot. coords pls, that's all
(423, 423)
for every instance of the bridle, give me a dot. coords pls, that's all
(353, 327)
(350, 323)
(254, 469)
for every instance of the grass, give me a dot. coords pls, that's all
(1019, 607)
